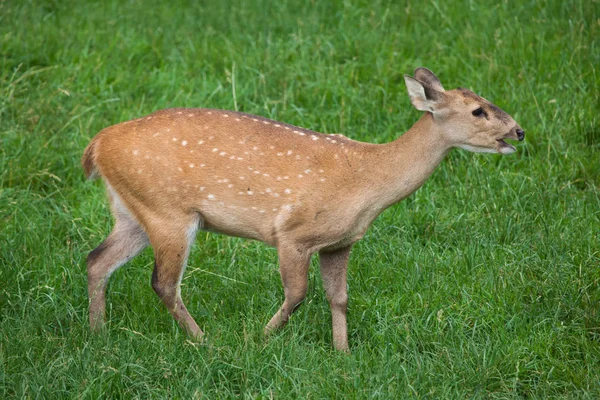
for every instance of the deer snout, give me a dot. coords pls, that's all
(520, 134)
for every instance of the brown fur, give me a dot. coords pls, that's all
(177, 171)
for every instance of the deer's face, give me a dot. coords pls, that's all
(465, 119)
(473, 123)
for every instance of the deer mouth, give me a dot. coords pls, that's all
(505, 148)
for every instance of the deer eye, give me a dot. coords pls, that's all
(478, 112)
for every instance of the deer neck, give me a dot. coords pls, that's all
(408, 162)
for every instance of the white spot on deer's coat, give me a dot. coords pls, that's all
(242, 178)
(262, 211)
(184, 142)
(266, 123)
(307, 171)
(279, 154)
(191, 165)
(179, 169)
(174, 139)
(215, 150)
(250, 192)
(200, 141)
(255, 148)
(314, 138)
(230, 185)
(211, 196)
(222, 153)
(202, 188)
(237, 119)
(298, 157)
(300, 175)
(135, 152)
(268, 190)
(289, 152)
(322, 179)
(226, 115)
(287, 191)
(202, 165)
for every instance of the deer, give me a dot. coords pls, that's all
(178, 171)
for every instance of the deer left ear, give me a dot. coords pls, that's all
(422, 97)
(425, 90)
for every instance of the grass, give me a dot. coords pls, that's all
(482, 284)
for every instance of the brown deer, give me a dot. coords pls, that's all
(181, 170)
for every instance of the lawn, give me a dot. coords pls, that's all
(483, 284)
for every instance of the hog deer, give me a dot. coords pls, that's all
(181, 170)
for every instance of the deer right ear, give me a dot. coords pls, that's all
(423, 98)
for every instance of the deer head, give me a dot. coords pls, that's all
(467, 120)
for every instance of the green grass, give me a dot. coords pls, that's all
(482, 284)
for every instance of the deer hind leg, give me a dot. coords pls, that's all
(334, 267)
(125, 241)
(293, 267)
(171, 242)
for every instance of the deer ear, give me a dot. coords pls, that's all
(429, 79)
(425, 90)
(417, 94)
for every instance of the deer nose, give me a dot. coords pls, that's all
(520, 134)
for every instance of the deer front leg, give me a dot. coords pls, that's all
(293, 267)
(334, 266)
